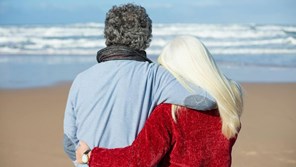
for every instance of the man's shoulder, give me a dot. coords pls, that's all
(86, 71)
(157, 69)
(98, 68)
(151, 69)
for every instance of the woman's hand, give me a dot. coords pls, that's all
(80, 150)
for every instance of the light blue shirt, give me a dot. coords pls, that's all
(109, 103)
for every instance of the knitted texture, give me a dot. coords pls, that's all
(195, 140)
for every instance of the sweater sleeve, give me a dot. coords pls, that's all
(150, 146)
(70, 129)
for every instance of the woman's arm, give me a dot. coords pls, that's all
(150, 146)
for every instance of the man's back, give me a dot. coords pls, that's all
(113, 101)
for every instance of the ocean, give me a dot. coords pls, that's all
(42, 55)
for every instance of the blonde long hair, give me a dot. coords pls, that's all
(190, 62)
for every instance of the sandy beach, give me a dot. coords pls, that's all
(31, 125)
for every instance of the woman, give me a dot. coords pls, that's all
(178, 136)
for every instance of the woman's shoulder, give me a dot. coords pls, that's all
(163, 108)
(167, 107)
(212, 112)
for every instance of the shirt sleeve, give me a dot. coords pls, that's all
(70, 129)
(168, 90)
(150, 146)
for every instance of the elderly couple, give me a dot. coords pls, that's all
(128, 111)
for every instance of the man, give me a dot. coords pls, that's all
(109, 103)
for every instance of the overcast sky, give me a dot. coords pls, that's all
(161, 11)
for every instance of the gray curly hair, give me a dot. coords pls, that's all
(128, 25)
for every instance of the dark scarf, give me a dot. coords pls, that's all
(116, 52)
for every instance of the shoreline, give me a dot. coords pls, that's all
(29, 71)
(31, 122)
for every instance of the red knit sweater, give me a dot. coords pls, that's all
(194, 141)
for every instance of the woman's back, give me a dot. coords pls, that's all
(197, 139)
